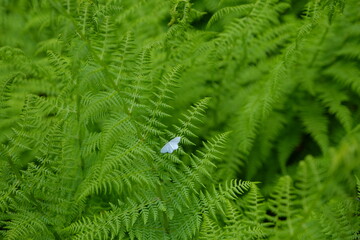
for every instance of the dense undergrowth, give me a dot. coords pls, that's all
(264, 94)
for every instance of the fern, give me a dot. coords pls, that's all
(263, 93)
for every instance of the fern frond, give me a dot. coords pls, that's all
(116, 221)
(232, 229)
(267, 134)
(61, 64)
(213, 147)
(250, 123)
(116, 125)
(261, 15)
(97, 105)
(122, 166)
(272, 40)
(346, 74)
(8, 192)
(239, 11)
(273, 89)
(164, 91)
(189, 123)
(28, 224)
(159, 105)
(209, 229)
(350, 51)
(135, 85)
(5, 89)
(210, 202)
(333, 99)
(91, 144)
(130, 10)
(338, 221)
(99, 227)
(316, 124)
(85, 17)
(253, 209)
(53, 44)
(105, 42)
(123, 58)
(308, 183)
(201, 166)
(252, 205)
(187, 225)
(282, 215)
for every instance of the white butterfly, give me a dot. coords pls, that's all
(171, 146)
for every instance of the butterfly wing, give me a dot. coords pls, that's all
(166, 149)
(174, 143)
(171, 145)
(175, 140)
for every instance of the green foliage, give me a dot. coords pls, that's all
(263, 93)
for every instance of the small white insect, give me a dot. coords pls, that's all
(171, 146)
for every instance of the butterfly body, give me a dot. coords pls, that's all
(171, 145)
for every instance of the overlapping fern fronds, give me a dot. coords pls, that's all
(261, 90)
